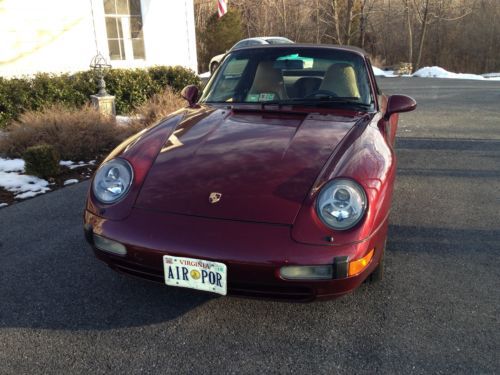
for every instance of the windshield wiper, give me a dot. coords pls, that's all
(322, 101)
(328, 100)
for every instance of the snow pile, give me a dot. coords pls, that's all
(383, 73)
(438, 72)
(23, 186)
(11, 165)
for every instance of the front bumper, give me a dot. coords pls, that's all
(253, 252)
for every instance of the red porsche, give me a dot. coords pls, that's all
(275, 181)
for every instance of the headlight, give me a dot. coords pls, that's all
(341, 204)
(112, 180)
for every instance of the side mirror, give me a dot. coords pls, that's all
(399, 103)
(190, 93)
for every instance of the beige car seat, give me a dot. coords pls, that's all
(268, 80)
(341, 80)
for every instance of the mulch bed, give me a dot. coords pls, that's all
(6, 196)
(80, 173)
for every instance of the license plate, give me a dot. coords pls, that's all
(195, 274)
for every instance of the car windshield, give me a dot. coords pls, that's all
(292, 75)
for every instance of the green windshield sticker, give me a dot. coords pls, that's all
(266, 96)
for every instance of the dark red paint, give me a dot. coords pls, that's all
(400, 103)
(264, 164)
(269, 166)
(190, 93)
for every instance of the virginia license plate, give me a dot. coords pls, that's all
(195, 274)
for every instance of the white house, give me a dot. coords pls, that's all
(64, 35)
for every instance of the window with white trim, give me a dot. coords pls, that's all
(124, 29)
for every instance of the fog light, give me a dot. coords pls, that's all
(356, 266)
(109, 246)
(306, 272)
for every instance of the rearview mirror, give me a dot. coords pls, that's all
(400, 103)
(190, 93)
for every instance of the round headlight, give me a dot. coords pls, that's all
(112, 180)
(341, 204)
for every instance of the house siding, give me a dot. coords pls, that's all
(58, 35)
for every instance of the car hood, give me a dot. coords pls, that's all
(259, 165)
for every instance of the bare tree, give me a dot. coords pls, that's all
(409, 30)
(366, 8)
(426, 16)
(462, 35)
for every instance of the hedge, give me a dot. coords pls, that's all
(131, 88)
(41, 161)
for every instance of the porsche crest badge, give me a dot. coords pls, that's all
(214, 197)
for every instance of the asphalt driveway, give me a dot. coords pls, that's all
(437, 311)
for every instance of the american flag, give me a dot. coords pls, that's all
(222, 7)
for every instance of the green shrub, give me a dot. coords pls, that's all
(131, 87)
(41, 161)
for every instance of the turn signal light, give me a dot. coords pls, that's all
(105, 244)
(358, 265)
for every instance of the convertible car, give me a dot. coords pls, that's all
(275, 181)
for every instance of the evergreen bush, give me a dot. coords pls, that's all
(41, 161)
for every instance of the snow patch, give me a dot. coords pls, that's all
(70, 182)
(30, 194)
(438, 72)
(23, 186)
(123, 120)
(11, 165)
(79, 165)
(73, 165)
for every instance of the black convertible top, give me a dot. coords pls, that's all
(357, 50)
